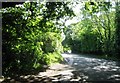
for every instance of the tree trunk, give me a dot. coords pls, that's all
(117, 22)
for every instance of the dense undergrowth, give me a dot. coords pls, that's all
(30, 38)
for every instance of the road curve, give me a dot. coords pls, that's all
(94, 69)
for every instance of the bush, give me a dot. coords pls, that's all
(26, 44)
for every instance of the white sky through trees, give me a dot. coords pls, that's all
(77, 8)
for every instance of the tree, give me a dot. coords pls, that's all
(117, 21)
(95, 32)
(28, 29)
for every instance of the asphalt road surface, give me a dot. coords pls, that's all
(77, 68)
(94, 69)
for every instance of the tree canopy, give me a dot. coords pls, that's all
(31, 38)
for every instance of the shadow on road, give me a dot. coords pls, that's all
(74, 69)
(57, 73)
(93, 69)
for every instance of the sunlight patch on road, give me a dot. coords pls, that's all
(57, 69)
(116, 77)
(100, 68)
(107, 66)
(1, 78)
(67, 72)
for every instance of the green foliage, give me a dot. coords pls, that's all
(21, 46)
(91, 7)
(52, 42)
(50, 58)
(66, 48)
(83, 38)
(117, 32)
(95, 33)
(30, 38)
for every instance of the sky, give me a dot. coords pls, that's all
(77, 10)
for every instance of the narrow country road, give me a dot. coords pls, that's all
(75, 69)
(94, 69)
